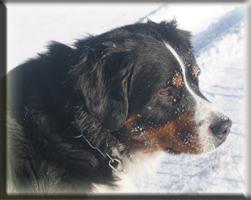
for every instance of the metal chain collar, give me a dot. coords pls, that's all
(106, 156)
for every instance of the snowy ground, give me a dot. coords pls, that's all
(219, 38)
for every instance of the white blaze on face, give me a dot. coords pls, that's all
(205, 112)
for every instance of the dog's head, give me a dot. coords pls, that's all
(141, 82)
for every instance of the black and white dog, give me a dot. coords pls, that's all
(81, 119)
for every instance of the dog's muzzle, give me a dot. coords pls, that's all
(221, 129)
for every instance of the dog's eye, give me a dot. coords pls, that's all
(165, 93)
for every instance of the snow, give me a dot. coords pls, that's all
(219, 39)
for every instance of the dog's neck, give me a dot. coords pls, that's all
(135, 165)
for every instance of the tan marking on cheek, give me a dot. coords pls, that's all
(130, 122)
(196, 70)
(180, 135)
(183, 135)
(177, 80)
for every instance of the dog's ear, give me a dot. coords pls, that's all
(102, 78)
(166, 28)
(186, 35)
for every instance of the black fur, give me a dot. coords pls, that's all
(69, 91)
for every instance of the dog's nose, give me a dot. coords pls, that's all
(221, 128)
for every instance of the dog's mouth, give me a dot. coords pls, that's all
(221, 142)
(172, 151)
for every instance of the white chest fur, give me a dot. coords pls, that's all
(136, 167)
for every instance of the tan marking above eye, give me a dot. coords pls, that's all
(196, 70)
(177, 80)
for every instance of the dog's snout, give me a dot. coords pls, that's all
(221, 128)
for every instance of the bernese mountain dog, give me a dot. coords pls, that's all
(82, 119)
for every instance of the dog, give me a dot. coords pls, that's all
(82, 119)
